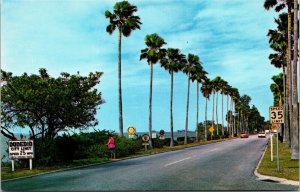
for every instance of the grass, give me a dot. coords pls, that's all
(7, 173)
(288, 169)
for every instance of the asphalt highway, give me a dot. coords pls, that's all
(227, 165)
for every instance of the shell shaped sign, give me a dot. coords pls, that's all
(131, 130)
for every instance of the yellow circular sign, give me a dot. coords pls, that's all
(211, 129)
(131, 130)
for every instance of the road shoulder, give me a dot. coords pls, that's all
(261, 177)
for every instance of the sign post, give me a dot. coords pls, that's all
(276, 117)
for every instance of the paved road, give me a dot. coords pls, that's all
(226, 165)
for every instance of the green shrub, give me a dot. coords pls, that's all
(97, 151)
(125, 146)
(158, 143)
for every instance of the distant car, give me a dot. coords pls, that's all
(262, 135)
(244, 135)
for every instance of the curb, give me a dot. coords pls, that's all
(271, 178)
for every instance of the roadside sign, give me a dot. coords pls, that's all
(131, 130)
(145, 138)
(211, 129)
(276, 114)
(20, 149)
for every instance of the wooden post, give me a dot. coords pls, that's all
(30, 164)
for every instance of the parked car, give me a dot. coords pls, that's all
(261, 135)
(244, 135)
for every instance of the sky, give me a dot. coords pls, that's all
(229, 36)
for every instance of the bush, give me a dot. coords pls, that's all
(167, 142)
(125, 146)
(189, 139)
(158, 143)
(215, 137)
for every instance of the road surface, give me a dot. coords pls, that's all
(227, 165)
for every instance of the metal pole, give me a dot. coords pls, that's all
(277, 152)
(271, 137)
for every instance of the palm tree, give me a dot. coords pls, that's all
(153, 53)
(226, 91)
(123, 19)
(199, 76)
(280, 5)
(206, 90)
(277, 89)
(217, 82)
(235, 97)
(223, 86)
(278, 42)
(189, 69)
(173, 61)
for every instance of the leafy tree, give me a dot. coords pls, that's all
(48, 105)
(173, 62)
(153, 53)
(124, 19)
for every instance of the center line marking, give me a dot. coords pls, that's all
(166, 165)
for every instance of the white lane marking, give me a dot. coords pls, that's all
(166, 165)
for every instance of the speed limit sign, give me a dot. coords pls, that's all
(276, 114)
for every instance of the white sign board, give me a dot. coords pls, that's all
(276, 114)
(20, 149)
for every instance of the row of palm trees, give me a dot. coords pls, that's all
(284, 42)
(172, 60)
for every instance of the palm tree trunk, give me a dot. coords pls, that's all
(217, 114)
(284, 105)
(171, 112)
(187, 111)
(295, 128)
(213, 111)
(222, 116)
(205, 130)
(289, 78)
(120, 85)
(197, 113)
(150, 106)
(227, 120)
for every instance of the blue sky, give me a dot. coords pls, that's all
(229, 36)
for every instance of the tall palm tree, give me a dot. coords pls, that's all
(235, 97)
(124, 19)
(173, 61)
(217, 82)
(153, 53)
(206, 90)
(199, 76)
(226, 91)
(223, 86)
(278, 42)
(281, 5)
(189, 69)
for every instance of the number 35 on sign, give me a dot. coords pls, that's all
(276, 114)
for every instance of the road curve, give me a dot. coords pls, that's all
(227, 165)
